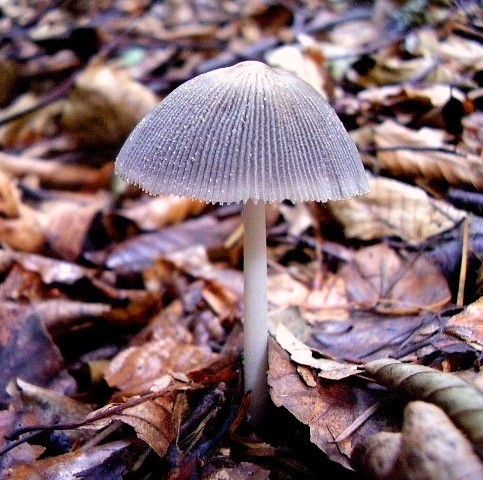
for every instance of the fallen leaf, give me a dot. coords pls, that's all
(327, 409)
(392, 282)
(139, 252)
(27, 351)
(394, 209)
(156, 212)
(404, 153)
(97, 114)
(68, 466)
(135, 369)
(468, 325)
(52, 173)
(303, 355)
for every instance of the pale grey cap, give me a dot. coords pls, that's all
(243, 132)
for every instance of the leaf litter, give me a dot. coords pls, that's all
(121, 327)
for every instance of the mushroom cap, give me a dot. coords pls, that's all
(243, 132)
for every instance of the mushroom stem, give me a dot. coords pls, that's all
(255, 305)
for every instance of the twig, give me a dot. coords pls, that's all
(464, 262)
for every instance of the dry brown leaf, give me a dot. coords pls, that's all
(428, 447)
(98, 114)
(303, 355)
(408, 158)
(52, 407)
(395, 283)
(316, 305)
(65, 237)
(9, 197)
(24, 232)
(468, 325)
(136, 369)
(328, 409)
(305, 61)
(156, 212)
(9, 73)
(31, 127)
(26, 349)
(67, 466)
(56, 174)
(395, 209)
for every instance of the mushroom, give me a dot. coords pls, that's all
(252, 134)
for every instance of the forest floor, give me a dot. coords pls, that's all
(121, 314)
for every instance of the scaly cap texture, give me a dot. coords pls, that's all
(243, 132)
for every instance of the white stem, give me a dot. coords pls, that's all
(255, 306)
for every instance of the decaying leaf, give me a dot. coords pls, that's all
(404, 153)
(462, 402)
(395, 283)
(393, 208)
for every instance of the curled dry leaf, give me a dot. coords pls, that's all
(461, 402)
(429, 446)
(152, 417)
(404, 152)
(394, 209)
(98, 114)
(468, 325)
(395, 283)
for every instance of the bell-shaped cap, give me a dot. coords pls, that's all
(243, 132)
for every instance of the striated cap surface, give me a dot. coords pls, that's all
(243, 132)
